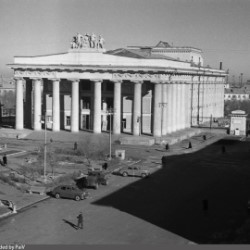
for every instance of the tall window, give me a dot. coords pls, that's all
(68, 123)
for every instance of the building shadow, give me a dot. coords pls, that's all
(173, 197)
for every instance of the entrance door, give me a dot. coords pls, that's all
(85, 122)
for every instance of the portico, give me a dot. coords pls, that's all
(154, 96)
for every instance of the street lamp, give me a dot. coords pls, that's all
(162, 105)
(110, 112)
(46, 120)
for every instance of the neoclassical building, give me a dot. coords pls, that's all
(153, 90)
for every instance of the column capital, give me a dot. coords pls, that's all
(36, 79)
(157, 81)
(18, 78)
(73, 80)
(96, 80)
(137, 82)
(55, 79)
(117, 81)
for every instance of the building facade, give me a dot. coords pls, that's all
(128, 90)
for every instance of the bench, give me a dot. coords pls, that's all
(37, 190)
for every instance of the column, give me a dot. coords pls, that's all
(104, 115)
(157, 111)
(183, 106)
(117, 108)
(74, 105)
(37, 104)
(164, 109)
(174, 94)
(97, 107)
(19, 103)
(170, 107)
(178, 113)
(188, 105)
(137, 108)
(56, 105)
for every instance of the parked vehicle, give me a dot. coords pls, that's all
(70, 192)
(134, 171)
(93, 179)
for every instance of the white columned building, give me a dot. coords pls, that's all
(155, 92)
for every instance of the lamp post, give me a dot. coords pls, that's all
(45, 145)
(162, 105)
(110, 112)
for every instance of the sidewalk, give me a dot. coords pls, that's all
(20, 199)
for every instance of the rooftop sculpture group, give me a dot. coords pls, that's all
(87, 41)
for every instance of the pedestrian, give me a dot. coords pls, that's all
(204, 137)
(4, 159)
(248, 207)
(105, 166)
(205, 206)
(75, 146)
(167, 147)
(80, 221)
(189, 144)
(223, 149)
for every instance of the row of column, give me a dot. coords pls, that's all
(74, 105)
(171, 107)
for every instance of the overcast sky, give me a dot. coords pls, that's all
(221, 28)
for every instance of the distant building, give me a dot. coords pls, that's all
(240, 94)
(181, 53)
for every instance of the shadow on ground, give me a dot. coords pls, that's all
(172, 198)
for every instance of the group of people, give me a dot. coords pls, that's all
(87, 41)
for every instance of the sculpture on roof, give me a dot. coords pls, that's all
(93, 41)
(87, 41)
(100, 44)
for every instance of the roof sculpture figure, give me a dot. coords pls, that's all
(87, 41)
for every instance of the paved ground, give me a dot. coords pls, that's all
(171, 199)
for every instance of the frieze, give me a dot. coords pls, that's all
(39, 74)
(138, 77)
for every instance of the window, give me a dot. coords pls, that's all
(68, 122)
(86, 102)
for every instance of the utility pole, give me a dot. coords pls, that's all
(241, 79)
(110, 112)
(45, 146)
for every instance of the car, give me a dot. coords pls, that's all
(93, 179)
(134, 171)
(70, 192)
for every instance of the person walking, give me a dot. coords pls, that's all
(4, 160)
(75, 146)
(80, 221)
(205, 206)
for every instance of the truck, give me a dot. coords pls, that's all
(93, 179)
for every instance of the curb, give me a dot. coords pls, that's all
(23, 207)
